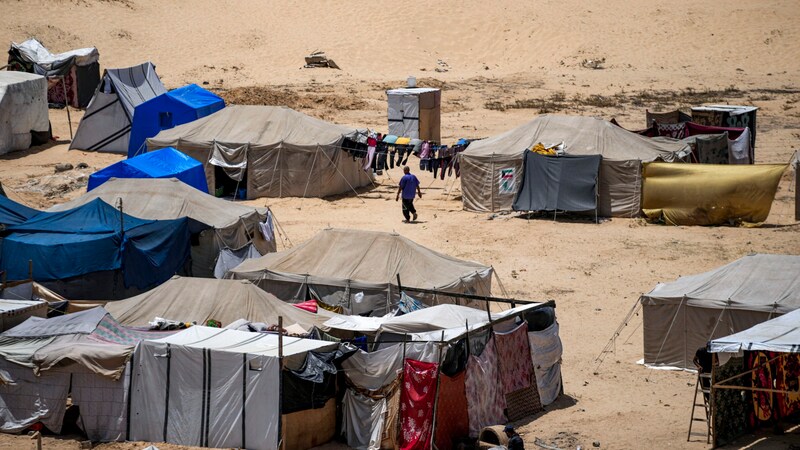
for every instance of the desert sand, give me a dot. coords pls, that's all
(499, 65)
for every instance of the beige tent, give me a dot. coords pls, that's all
(220, 223)
(272, 151)
(683, 315)
(491, 169)
(200, 299)
(340, 266)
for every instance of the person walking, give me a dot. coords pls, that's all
(409, 185)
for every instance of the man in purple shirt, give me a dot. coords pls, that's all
(409, 185)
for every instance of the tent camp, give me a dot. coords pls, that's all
(82, 356)
(95, 252)
(683, 315)
(709, 194)
(166, 163)
(197, 300)
(219, 225)
(72, 76)
(358, 270)
(106, 125)
(176, 107)
(491, 169)
(23, 111)
(13, 213)
(270, 151)
(223, 389)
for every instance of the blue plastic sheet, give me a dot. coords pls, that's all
(165, 163)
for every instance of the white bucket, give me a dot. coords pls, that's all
(412, 82)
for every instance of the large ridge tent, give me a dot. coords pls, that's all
(270, 151)
(106, 125)
(23, 111)
(13, 213)
(200, 299)
(169, 110)
(709, 194)
(491, 168)
(166, 163)
(83, 356)
(75, 73)
(218, 224)
(223, 387)
(95, 252)
(358, 270)
(683, 315)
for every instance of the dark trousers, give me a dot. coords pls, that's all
(408, 208)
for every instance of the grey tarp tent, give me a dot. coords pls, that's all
(565, 183)
(23, 111)
(336, 265)
(212, 387)
(491, 168)
(220, 224)
(269, 150)
(780, 335)
(683, 315)
(106, 125)
(188, 299)
(83, 356)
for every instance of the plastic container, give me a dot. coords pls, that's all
(411, 82)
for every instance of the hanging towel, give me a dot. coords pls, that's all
(267, 228)
(416, 404)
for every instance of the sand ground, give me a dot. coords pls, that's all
(505, 63)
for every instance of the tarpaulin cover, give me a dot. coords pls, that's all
(417, 396)
(781, 334)
(176, 107)
(286, 153)
(546, 352)
(106, 125)
(726, 300)
(566, 183)
(485, 400)
(363, 261)
(363, 420)
(220, 223)
(622, 151)
(165, 163)
(13, 213)
(301, 395)
(200, 299)
(23, 109)
(709, 194)
(87, 239)
(229, 259)
(452, 419)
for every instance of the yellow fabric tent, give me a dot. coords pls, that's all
(709, 194)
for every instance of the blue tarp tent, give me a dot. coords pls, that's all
(164, 163)
(169, 110)
(88, 239)
(13, 213)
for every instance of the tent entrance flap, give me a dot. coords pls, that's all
(566, 183)
(231, 158)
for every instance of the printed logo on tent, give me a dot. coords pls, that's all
(507, 181)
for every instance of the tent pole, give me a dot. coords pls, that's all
(491, 184)
(282, 442)
(121, 218)
(310, 172)
(66, 105)
(436, 397)
(343, 177)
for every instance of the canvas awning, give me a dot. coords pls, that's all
(780, 335)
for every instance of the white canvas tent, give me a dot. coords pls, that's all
(491, 169)
(271, 151)
(415, 113)
(23, 111)
(200, 299)
(106, 125)
(212, 387)
(683, 315)
(337, 264)
(219, 224)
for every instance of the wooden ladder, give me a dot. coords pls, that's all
(706, 393)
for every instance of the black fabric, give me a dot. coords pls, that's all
(455, 358)
(317, 364)
(300, 395)
(541, 318)
(564, 183)
(88, 78)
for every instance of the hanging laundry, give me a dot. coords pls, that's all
(416, 404)
(369, 157)
(452, 421)
(515, 372)
(739, 149)
(485, 401)
(228, 259)
(712, 148)
(409, 304)
(267, 227)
